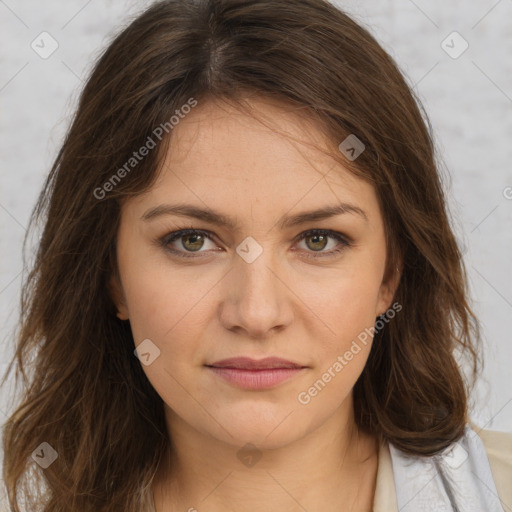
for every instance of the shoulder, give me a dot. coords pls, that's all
(498, 447)
(443, 477)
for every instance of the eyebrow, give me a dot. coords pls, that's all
(287, 221)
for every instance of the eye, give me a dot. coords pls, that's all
(317, 240)
(193, 240)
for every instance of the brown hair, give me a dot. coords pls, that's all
(85, 393)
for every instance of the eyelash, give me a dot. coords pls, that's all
(175, 235)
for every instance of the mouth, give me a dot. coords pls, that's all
(247, 363)
(247, 373)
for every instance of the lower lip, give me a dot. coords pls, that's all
(256, 379)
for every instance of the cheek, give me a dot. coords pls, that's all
(345, 305)
(345, 312)
(167, 309)
(160, 298)
(341, 354)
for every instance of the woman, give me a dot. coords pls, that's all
(247, 294)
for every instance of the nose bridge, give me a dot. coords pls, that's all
(256, 297)
(255, 268)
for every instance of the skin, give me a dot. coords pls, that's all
(216, 305)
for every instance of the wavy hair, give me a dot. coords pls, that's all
(84, 392)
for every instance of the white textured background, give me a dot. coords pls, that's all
(468, 99)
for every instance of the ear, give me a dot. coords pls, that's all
(117, 295)
(388, 289)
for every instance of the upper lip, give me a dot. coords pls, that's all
(246, 363)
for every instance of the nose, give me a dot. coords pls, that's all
(257, 301)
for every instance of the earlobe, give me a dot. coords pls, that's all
(118, 298)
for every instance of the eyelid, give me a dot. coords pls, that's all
(343, 239)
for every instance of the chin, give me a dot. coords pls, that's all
(266, 431)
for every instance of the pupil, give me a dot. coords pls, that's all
(187, 237)
(322, 237)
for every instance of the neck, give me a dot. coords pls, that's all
(332, 468)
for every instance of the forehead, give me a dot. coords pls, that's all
(272, 158)
(271, 136)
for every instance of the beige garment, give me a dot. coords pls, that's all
(498, 446)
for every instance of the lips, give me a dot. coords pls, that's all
(256, 375)
(246, 363)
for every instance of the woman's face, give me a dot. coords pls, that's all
(253, 289)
